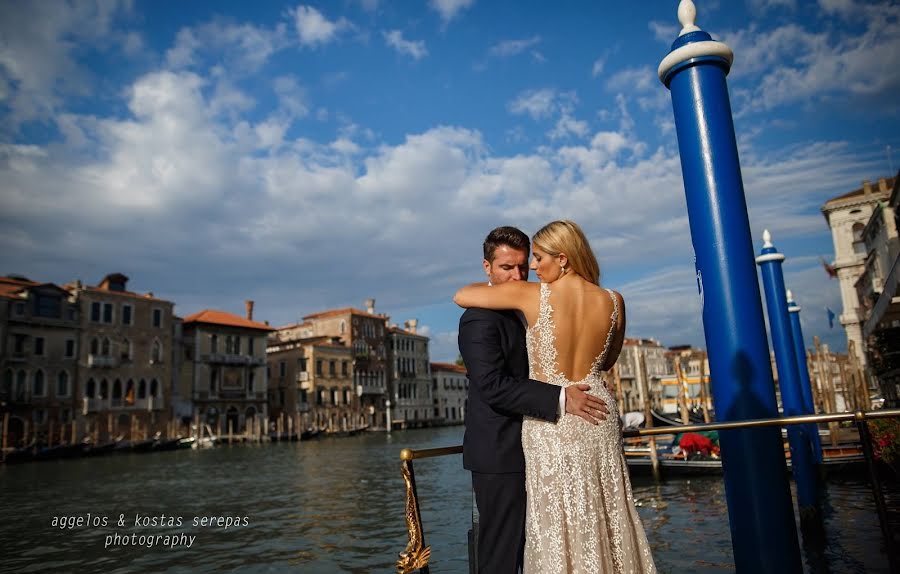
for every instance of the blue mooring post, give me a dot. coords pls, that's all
(805, 384)
(803, 460)
(760, 510)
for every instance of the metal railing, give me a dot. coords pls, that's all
(417, 554)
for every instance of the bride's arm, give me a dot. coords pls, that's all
(509, 295)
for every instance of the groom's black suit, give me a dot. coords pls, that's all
(492, 344)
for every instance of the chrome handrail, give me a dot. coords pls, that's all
(416, 555)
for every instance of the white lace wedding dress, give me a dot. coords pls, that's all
(581, 515)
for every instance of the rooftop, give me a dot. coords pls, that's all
(213, 317)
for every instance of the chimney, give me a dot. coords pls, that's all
(249, 305)
(411, 325)
(370, 306)
(882, 184)
(867, 187)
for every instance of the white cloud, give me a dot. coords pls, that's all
(415, 49)
(508, 48)
(313, 28)
(241, 48)
(597, 68)
(536, 103)
(663, 31)
(449, 9)
(633, 80)
(38, 69)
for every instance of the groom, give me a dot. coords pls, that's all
(492, 344)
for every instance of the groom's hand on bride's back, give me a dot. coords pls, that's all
(579, 403)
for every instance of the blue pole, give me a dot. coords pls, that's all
(803, 458)
(805, 383)
(763, 531)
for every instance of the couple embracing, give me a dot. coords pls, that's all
(543, 440)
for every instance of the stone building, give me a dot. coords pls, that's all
(878, 290)
(630, 374)
(450, 389)
(409, 376)
(364, 333)
(224, 370)
(847, 216)
(311, 381)
(125, 366)
(39, 328)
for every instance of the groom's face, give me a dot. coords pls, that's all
(509, 264)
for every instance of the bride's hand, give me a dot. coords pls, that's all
(579, 403)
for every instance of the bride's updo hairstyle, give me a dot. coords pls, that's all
(566, 237)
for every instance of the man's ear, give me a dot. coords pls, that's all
(487, 267)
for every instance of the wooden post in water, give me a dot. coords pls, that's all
(862, 388)
(704, 397)
(62, 434)
(682, 393)
(620, 394)
(812, 369)
(827, 388)
(50, 434)
(230, 431)
(74, 429)
(109, 426)
(25, 433)
(5, 434)
(648, 416)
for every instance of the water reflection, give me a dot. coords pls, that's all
(336, 505)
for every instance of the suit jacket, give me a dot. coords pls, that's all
(492, 344)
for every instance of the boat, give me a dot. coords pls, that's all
(168, 444)
(21, 454)
(59, 451)
(310, 434)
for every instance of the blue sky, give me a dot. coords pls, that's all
(311, 155)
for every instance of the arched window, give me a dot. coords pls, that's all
(62, 384)
(104, 389)
(8, 379)
(213, 379)
(154, 388)
(142, 389)
(156, 352)
(105, 349)
(129, 392)
(37, 388)
(91, 389)
(126, 350)
(228, 345)
(95, 346)
(214, 344)
(250, 378)
(117, 390)
(343, 326)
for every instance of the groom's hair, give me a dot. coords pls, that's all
(505, 235)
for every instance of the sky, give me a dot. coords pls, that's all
(308, 156)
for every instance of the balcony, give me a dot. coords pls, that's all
(370, 390)
(17, 358)
(223, 359)
(302, 377)
(94, 405)
(102, 361)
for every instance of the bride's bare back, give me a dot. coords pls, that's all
(582, 315)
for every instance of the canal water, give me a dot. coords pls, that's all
(336, 505)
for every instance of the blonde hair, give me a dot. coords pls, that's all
(567, 237)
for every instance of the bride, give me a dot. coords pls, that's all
(580, 515)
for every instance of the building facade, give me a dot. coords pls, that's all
(630, 375)
(878, 290)
(125, 364)
(847, 216)
(224, 370)
(409, 376)
(39, 327)
(364, 332)
(450, 390)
